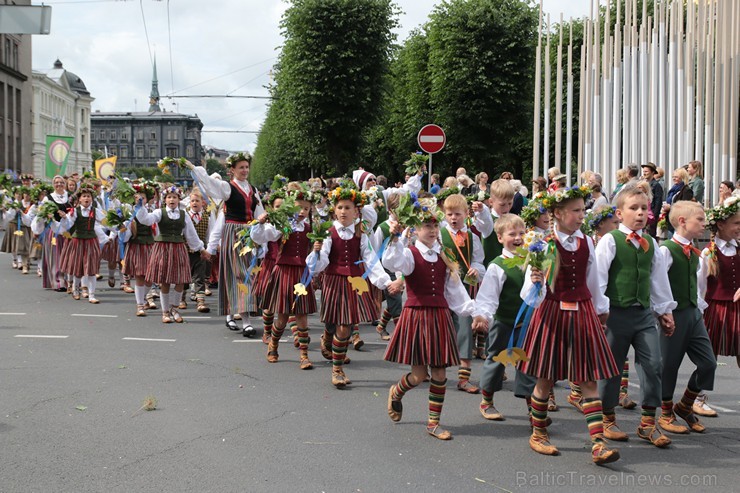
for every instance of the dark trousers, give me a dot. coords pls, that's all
(199, 271)
(492, 373)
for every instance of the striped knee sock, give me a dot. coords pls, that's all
(276, 334)
(624, 383)
(594, 419)
(575, 390)
(480, 340)
(268, 318)
(292, 324)
(436, 401)
(648, 416)
(463, 374)
(302, 339)
(487, 398)
(687, 400)
(666, 408)
(539, 412)
(338, 351)
(528, 400)
(384, 319)
(355, 330)
(403, 386)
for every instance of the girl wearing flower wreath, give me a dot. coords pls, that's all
(81, 254)
(345, 298)
(283, 296)
(169, 263)
(18, 236)
(565, 339)
(425, 336)
(242, 205)
(721, 263)
(51, 243)
(139, 239)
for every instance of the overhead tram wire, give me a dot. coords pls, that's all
(146, 33)
(221, 76)
(169, 39)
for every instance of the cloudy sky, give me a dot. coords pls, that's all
(216, 47)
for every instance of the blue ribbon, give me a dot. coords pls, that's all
(43, 233)
(526, 311)
(378, 256)
(197, 182)
(307, 275)
(18, 218)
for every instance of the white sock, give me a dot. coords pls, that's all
(245, 320)
(175, 298)
(140, 293)
(77, 282)
(91, 281)
(165, 300)
(229, 318)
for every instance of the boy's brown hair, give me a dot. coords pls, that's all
(629, 191)
(501, 189)
(507, 222)
(456, 201)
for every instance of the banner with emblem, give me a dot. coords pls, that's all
(105, 168)
(57, 152)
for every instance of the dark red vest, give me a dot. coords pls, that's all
(273, 249)
(724, 287)
(295, 249)
(343, 255)
(570, 284)
(426, 285)
(240, 206)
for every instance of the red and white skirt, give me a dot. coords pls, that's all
(570, 345)
(136, 259)
(81, 257)
(111, 251)
(168, 264)
(424, 336)
(341, 305)
(722, 319)
(259, 285)
(279, 296)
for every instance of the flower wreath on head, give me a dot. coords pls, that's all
(351, 194)
(145, 188)
(722, 212)
(237, 157)
(305, 193)
(169, 188)
(593, 219)
(533, 210)
(443, 194)
(86, 188)
(413, 211)
(551, 200)
(26, 176)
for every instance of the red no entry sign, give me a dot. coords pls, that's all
(431, 138)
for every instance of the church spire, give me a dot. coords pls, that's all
(154, 96)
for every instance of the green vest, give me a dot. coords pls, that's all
(84, 227)
(629, 273)
(170, 230)
(682, 275)
(466, 250)
(144, 234)
(492, 248)
(386, 229)
(510, 300)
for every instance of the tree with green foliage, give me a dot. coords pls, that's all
(328, 85)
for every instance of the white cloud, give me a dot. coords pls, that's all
(218, 47)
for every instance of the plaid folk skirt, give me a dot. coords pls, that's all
(136, 259)
(168, 264)
(280, 296)
(81, 257)
(424, 336)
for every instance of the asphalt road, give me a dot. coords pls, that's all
(226, 420)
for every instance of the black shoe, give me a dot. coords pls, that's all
(249, 331)
(231, 325)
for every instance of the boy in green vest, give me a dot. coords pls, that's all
(499, 300)
(394, 302)
(633, 277)
(465, 246)
(681, 258)
(502, 198)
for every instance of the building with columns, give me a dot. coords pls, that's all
(61, 106)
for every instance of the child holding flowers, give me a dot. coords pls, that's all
(345, 299)
(565, 338)
(425, 335)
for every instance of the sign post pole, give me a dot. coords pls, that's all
(431, 139)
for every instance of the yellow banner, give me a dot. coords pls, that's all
(105, 168)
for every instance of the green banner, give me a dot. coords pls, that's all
(57, 152)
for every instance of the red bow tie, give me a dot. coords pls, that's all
(460, 238)
(196, 216)
(688, 248)
(639, 239)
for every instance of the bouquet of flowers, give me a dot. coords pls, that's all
(123, 191)
(282, 217)
(319, 230)
(5, 181)
(535, 251)
(145, 188)
(416, 163)
(278, 182)
(167, 164)
(116, 218)
(413, 211)
(478, 197)
(47, 210)
(375, 196)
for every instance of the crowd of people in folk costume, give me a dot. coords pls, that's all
(560, 284)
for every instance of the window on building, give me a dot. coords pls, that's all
(140, 135)
(153, 152)
(189, 152)
(103, 135)
(124, 135)
(153, 135)
(17, 105)
(171, 134)
(140, 152)
(113, 135)
(8, 52)
(172, 151)
(92, 134)
(124, 151)
(15, 56)
(112, 151)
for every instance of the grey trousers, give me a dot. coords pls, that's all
(690, 338)
(464, 329)
(634, 326)
(492, 373)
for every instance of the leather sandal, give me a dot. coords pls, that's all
(140, 311)
(306, 363)
(491, 413)
(690, 419)
(626, 402)
(166, 319)
(466, 386)
(576, 401)
(653, 435)
(384, 335)
(231, 325)
(338, 379)
(176, 316)
(439, 433)
(601, 454)
(395, 408)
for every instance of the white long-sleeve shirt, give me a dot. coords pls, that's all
(398, 258)
(661, 298)
(191, 236)
(214, 239)
(221, 190)
(69, 220)
(377, 275)
(701, 276)
(489, 292)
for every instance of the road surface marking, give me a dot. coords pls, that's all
(93, 315)
(31, 336)
(254, 340)
(195, 318)
(148, 340)
(11, 313)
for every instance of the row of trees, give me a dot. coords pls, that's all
(345, 95)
